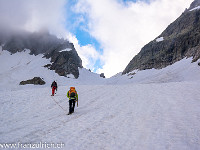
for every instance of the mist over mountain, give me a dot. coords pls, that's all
(179, 40)
(37, 42)
(64, 58)
(28, 24)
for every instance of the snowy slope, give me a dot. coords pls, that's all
(22, 66)
(180, 71)
(196, 8)
(145, 117)
(150, 110)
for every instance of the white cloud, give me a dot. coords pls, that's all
(34, 15)
(47, 14)
(88, 53)
(123, 29)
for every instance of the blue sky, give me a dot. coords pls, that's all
(80, 29)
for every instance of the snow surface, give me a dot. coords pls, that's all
(22, 66)
(180, 71)
(196, 8)
(160, 39)
(146, 110)
(67, 49)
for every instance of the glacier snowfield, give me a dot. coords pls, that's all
(149, 110)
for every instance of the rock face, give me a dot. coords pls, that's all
(194, 4)
(35, 81)
(65, 62)
(64, 57)
(102, 75)
(180, 39)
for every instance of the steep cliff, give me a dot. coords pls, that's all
(180, 39)
(62, 53)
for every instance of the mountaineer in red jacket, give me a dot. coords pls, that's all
(54, 87)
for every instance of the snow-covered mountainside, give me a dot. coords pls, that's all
(180, 71)
(143, 110)
(63, 55)
(23, 66)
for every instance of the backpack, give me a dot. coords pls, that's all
(54, 84)
(72, 92)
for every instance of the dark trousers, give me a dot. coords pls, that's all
(71, 105)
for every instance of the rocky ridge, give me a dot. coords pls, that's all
(64, 58)
(179, 40)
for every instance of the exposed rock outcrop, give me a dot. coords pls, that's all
(194, 4)
(65, 62)
(102, 75)
(180, 39)
(35, 81)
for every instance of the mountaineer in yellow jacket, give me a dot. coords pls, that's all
(73, 98)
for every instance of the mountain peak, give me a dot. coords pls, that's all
(179, 40)
(194, 4)
(64, 57)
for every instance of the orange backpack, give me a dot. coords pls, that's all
(72, 92)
